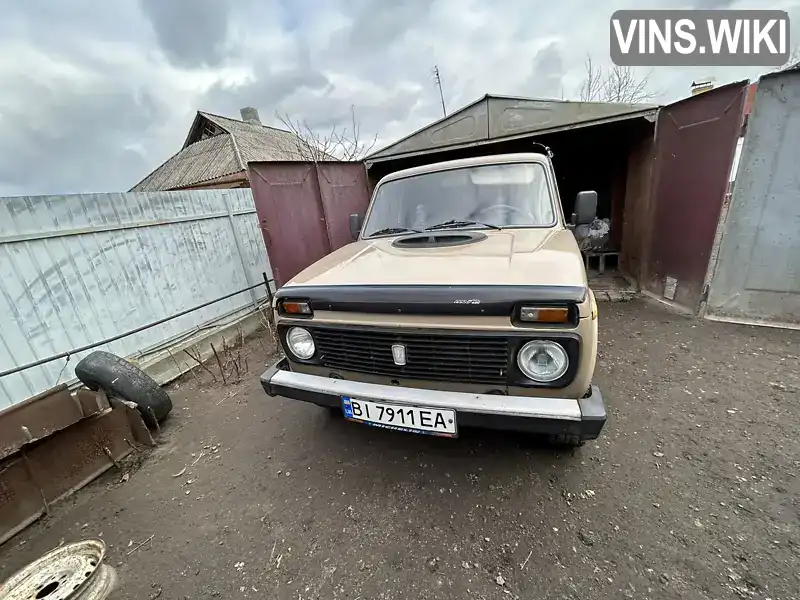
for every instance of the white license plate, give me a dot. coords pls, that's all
(416, 419)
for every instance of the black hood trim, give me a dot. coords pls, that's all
(473, 300)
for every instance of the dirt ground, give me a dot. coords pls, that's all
(691, 492)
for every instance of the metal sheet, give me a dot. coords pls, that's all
(514, 116)
(80, 268)
(37, 418)
(695, 142)
(757, 276)
(467, 125)
(290, 214)
(344, 191)
(73, 457)
(637, 207)
(494, 118)
(21, 500)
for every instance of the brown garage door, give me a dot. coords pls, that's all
(304, 208)
(695, 143)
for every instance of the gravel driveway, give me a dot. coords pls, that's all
(691, 492)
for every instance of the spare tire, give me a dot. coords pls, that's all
(117, 377)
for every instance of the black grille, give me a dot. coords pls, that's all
(457, 358)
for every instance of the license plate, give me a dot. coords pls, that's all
(414, 419)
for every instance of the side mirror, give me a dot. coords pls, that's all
(585, 208)
(355, 225)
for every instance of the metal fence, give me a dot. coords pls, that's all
(757, 276)
(81, 268)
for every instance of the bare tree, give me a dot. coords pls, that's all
(337, 144)
(592, 86)
(618, 84)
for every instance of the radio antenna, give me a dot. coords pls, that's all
(438, 79)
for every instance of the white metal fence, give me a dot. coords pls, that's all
(81, 268)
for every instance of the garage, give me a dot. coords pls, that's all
(597, 146)
(660, 173)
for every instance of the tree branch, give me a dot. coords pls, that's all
(337, 144)
(619, 84)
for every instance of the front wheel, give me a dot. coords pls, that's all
(335, 412)
(566, 440)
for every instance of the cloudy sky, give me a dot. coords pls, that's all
(94, 94)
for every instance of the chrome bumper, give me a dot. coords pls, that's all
(585, 416)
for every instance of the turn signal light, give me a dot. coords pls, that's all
(296, 307)
(538, 314)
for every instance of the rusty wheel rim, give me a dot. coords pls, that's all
(70, 572)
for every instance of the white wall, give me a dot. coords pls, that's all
(77, 269)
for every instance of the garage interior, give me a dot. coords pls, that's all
(591, 150)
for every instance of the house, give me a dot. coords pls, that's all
(217, 150)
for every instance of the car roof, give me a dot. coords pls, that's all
(492, 159)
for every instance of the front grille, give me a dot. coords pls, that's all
(459, 357)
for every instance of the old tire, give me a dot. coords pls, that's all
(117, 377)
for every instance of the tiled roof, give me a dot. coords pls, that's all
(223, 154)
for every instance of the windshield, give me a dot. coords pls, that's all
(503, 195)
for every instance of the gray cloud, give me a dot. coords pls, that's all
(712, 4)
(191, 33)
(377, 23)
(100, 93)
(80, 143)
(548, 68)
(268, 92)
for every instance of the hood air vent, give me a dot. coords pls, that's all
(439, 239)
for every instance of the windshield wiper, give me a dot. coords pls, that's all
(389, 230)
(459, 223)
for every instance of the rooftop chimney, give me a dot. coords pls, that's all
(250, 115)
(704, 85)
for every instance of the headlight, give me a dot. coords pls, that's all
(543, 361)
(300, 343)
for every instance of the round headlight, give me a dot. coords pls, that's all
(543, 361)
(300, 343)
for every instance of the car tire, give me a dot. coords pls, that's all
(118, 377)
(335, 412)
(566, 440)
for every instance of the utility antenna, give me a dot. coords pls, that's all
(437, 78)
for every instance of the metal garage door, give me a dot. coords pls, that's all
(757, 276)
(304, 208)
(695, 142)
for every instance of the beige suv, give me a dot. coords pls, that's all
(462, 302)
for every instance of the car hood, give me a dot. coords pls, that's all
(508, 257)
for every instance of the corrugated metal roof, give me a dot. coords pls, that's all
(494, 117)
(204, 160)
(224, 154)
(259, 142)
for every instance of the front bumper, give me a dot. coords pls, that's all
(554, 416)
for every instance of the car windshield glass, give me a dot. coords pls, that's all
(504, 195)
